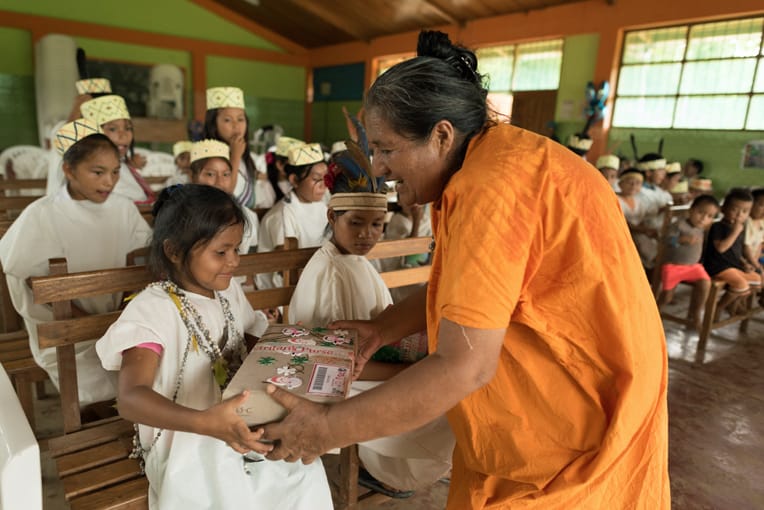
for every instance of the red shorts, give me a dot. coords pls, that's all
(672, 274)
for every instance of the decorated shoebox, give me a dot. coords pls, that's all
(314, 363)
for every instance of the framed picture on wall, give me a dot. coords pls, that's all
(156, 91)
(753, 155)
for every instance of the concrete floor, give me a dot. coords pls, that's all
(716, 425)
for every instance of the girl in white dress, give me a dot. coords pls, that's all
(176, 345)
(226, 120)
(339, 283)
(210, 165)
(90, 226)
(301, 213)
(637, 210)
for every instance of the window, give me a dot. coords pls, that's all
(517, 67)
(700, 76)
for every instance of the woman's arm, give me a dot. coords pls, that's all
(139, 403)
(466, 360)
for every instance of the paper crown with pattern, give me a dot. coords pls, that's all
(654, 164)
(210, 149)
(350, 177)
(104, 109)
(71, 133)
(225, 97)
(680, 187)
(284, 144)
(338, 147)
(93, 86)
(701, 184)
(306, 154)
(579, 142)
(608, 161)
(673, 168)
(180, 147)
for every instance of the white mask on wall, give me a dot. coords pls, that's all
(165, 92)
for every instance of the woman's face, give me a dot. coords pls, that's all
(312, 187)
(356, 232)
(120, 132)
(231, 123)
(421, 168)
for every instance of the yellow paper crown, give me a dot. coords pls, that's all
(673, 168)
(104, 109)
(210, 149)
(608, 161)
(181, 147)
(71, 133)
(225, 97)
(286, 143)
(701, 184)
(93, 86)
(306, 154)
(579, 143)
(680, 187)
(652, 165)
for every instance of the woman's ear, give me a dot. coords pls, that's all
(171, 252)
(444, 135)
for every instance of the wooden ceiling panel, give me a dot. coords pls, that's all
(316, 23)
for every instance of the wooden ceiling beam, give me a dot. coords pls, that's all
(443, 13)
(332, 16)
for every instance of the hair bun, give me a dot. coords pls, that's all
(436, 44)
(163, 198)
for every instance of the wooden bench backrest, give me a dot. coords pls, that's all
(61, 287)
(18, 184)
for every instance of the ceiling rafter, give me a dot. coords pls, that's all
(331, 16)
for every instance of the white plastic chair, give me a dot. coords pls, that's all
(26, 162)
(20, 475)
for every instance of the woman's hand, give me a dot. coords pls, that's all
(370, 339)
(222, 422)
(304, 434)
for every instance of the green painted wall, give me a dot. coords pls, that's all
(720, 151)
(579, 57)
(273, 93)
(328, 122)
(170, 17)
(18, 120)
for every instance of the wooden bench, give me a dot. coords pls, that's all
(15, 354)
(92, 459)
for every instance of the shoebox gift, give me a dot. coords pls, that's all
(313, 363)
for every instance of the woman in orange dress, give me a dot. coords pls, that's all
(546, 347)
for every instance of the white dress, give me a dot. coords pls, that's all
(400, 227)
(334, 286)
(249, 240)
(290, 218)
(187, 470)
(90, 236)
(643, 209)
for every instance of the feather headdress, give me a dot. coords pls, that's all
(350, 178)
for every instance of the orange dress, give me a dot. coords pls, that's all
(531, 238)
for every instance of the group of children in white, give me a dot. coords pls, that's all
(713, 240)
(193, 445)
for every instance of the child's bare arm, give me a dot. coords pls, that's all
(725, 244)
(750, 257)
(139, 403)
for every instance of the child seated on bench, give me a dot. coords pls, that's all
(723, 254)
(87, 224)
(684, 247)
(176, 345)
(339, 283)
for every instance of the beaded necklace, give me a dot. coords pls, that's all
(224, 363)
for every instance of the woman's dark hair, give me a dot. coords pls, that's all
(274, 174)
(188, 216)
(211, 131)
(650, 156)
(757, 193)
(441, 83)
(198, 165)
(82, 149)
(697, 164)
